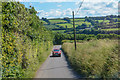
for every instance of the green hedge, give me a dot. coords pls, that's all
(25, 42)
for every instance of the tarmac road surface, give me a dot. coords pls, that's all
(56, 67)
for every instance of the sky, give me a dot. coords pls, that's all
(64, 8)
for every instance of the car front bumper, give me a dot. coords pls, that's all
(56, 54)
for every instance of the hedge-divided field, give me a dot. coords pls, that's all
(112, 29)
(25, 42)
(95, 58)
(55, 21)
(102, 23)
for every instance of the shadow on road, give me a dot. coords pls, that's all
(54, 56)
(77, 76)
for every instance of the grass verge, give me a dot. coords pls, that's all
(94, 59)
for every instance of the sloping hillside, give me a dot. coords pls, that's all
(65, 25)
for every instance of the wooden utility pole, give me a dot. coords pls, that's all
(74, 31)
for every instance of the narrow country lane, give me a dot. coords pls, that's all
(56, 67)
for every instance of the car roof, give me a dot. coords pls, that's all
(56, 49)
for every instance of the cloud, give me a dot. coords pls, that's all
(25, 0)
(88, 9)
(30, 4)
(51, 13)
(56, 0)
(59, 5)
(92, 12)
(110, 4)
(55, 13)
(40, 11)
(68, 12)
(77, 3)
(67, 0)
(98, 9)
(41, 2)
(95, 1)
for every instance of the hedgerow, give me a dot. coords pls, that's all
(25, 42)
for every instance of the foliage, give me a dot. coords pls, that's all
(67, 19)
(24, 41)
(66, 24)
(59, 37)
(46, 20)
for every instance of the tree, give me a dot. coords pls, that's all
(67, 19)
(46, 20)
(84, 25)
(66, 26)
(32, 11)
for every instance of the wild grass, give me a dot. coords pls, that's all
(94, 59)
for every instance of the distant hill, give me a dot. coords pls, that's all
(65, 25)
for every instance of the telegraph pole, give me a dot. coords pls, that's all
(74, 31)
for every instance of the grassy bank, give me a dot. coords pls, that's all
(95, 59)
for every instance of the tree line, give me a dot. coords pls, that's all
(63, 36)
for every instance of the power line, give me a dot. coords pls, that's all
(79, 7)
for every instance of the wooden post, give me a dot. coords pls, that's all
(74, 31)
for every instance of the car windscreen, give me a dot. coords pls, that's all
(56, 50)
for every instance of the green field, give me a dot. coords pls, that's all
(56, 21)
(115, 18)
(80, 23)
(60, 23)
(77, 20)
(67, 24)
(107, 21)
(60, 31)
(112, 29)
